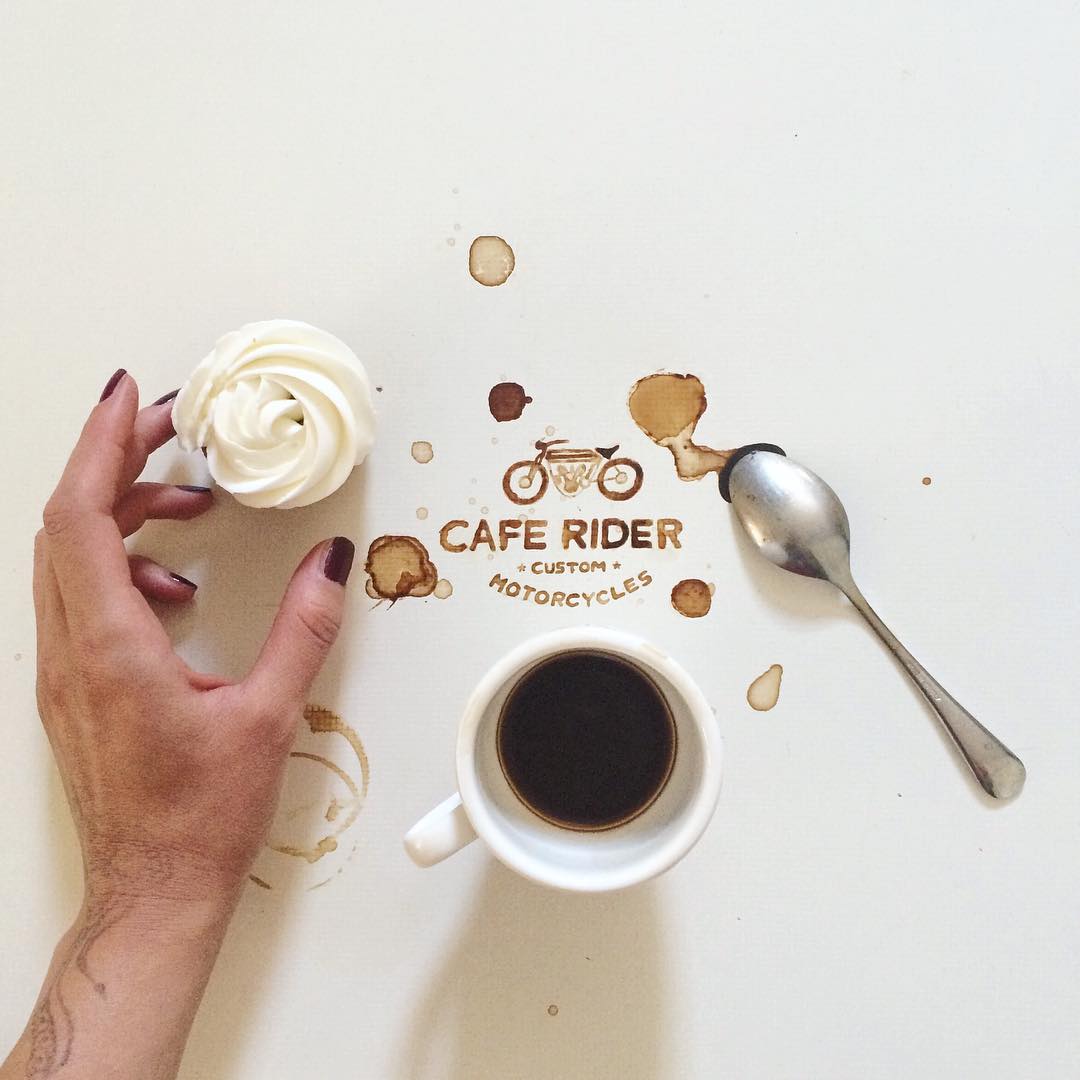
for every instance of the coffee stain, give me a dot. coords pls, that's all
(764, 691)
(692, 598)
(422, 452)
(491, 260)
(450, 241)
(667, 407)
(712, 588)
(399, 566)
(553, 1010)
(340, 813)
(369, 588)
(926, 481)
(443, 589)
(313, 854)
(550, 429)
(507, 401)
(421, 513)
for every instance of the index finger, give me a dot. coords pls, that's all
(87, 551)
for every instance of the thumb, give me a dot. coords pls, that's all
(306, 625)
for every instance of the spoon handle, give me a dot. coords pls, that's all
(1000, 772)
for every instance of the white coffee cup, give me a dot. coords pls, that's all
(486, 806)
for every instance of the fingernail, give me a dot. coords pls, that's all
(112, 384)
(167, 397)
(193, 488)
(339, 558)
(183, 580)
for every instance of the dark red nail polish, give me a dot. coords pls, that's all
(167, 397)
(339, 559)
(112, 384)
(194, 489)
(183, 580)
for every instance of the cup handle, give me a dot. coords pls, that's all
(439, 833)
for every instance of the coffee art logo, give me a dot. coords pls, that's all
(572, 469)
(560, 561)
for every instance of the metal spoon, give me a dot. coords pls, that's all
(799, 524)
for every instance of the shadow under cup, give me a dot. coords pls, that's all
(613, 857)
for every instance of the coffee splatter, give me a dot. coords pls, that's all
(926, 481)
(691, 598)
(764, 691)
(399, 566)
(259, 881)
(422, 452)
(341, 813)
(507, 401)
(421, 512)
(443, 589)
(491, 260)
(553, 1010)
(667, 408)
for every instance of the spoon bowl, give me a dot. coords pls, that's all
(798, 522)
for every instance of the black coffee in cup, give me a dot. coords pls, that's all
(586, 740)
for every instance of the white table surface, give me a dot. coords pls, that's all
(859, 227)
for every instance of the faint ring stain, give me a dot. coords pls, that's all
(322, 721)
(491, 260)
(422, 452)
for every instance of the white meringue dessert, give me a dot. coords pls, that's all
(283, 410)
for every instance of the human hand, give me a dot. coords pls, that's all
(172, 775)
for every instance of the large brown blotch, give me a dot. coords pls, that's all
(400, 566)
(665, 405)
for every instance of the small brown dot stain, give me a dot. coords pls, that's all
(926, 481)
(421, 513)
(422, 452)
(443, 589)
(507, 400)
(764, 691)
(378, 389)
(259, 881)
(691, 598)
(491, 556)
(553, 1010)
(550, 429)
(450, 241)
(491, 260)
(472, 500)
(712, 588)
(18, 656)
(485, 510)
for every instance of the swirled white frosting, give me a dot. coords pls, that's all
(283, 410)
